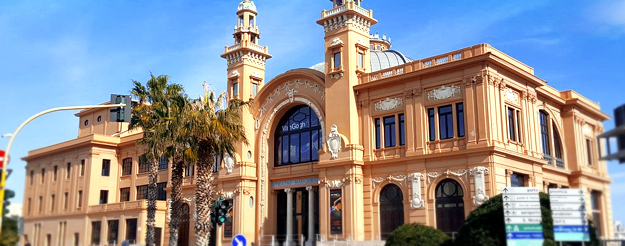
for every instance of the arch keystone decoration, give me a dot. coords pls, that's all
(334, 142)
(416, 201)
(478, 181)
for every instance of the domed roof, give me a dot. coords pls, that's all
(247, 4)
(379, 60)
(388, 58)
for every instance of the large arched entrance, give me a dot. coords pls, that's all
(449, 206)
(391, 209)
(183, 227)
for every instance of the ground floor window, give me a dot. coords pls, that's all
(391, 209)
(449, 206)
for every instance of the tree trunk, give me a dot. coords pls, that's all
(204, 194)
(152, 194)
(177, 173)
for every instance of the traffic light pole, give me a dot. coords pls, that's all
(6, 153)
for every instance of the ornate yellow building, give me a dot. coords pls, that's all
(348, 149)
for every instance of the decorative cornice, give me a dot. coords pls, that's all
(511, 95)
(336, 41)
(435, 175)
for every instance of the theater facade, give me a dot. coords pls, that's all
(351, 147)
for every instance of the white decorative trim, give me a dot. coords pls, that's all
(228, 163)
(435, 175)
(388, 104)
(334, 184)
(416, 201)
(361, 42)
(398, 178)
(511, 95)
(286, 87)
(234, 73)
(255, 74)
(334, 142)
(478, 182)
(444, 92)
(228, 195)
(336, 41)
(587, 129)
(290, 94)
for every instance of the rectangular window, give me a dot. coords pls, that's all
(518, 180)
(432, 124)
(446, 122)
(28, 206)
(112, 232)
(216, 165)
(56, 169)
(104, 196)
(161, 193)
(79, 199)
(131, 230)
(402, 130)
(337, 60)
(69, 168)
(389, 131)
(96, 226)
(52, 200)
(377, 133)
(127, 166)
(251, 21)
(163, 163)
(43, 175)
(595, 203)
(65, 200)
(360, 60)
(144, 164)
(106, 167)
(241, 20)
(254, 89)
(188, 171)
(124, 194)
(76, 239)
(235, 89)
(82, 167)
(460, 119)
(544, 133)
(32, 176)
(40, 204)
(589, 151)
(514, 124)
(142, 192)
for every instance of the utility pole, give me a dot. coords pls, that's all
(125, 105)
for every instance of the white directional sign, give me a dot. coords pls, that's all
(570, 221)
(522, 216)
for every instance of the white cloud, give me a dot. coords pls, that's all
(609, 12)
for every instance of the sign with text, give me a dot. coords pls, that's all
(522, 217)
(570, 221)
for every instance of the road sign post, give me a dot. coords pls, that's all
(569, 215)
(522, 216)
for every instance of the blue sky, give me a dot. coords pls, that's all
(66, 53)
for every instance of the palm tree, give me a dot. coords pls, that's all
(218, 127)
(155, 114)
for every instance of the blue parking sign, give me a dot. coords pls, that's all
(239, 240)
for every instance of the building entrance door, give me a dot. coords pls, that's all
(300, 210)
(391, 209)
(449, 206)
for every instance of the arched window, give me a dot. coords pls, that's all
(550, 138)
(391, 209)
(557, 146)
(297, 138)
(449, 206)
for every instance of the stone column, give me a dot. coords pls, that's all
(311, 215)
(289, 217)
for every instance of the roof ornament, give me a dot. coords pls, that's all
(247, 5)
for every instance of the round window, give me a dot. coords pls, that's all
(86, 122)
(100, 118)
(249, 154)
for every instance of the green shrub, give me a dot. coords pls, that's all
(417, 235)
(485, 225)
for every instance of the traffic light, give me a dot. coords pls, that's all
(121, 114)
(214, 211)
(222, 212)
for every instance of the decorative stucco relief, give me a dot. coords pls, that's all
(480, 187)
(255, 74)
(335, 23)
(416, 201)
(444, 92)
(334, 142)
(361, 42)
(511, 95)
(388, 104)
(234, 74)
(228, 163)
(336, 41)
(378, 180)
(434, 175)
(587, 129)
